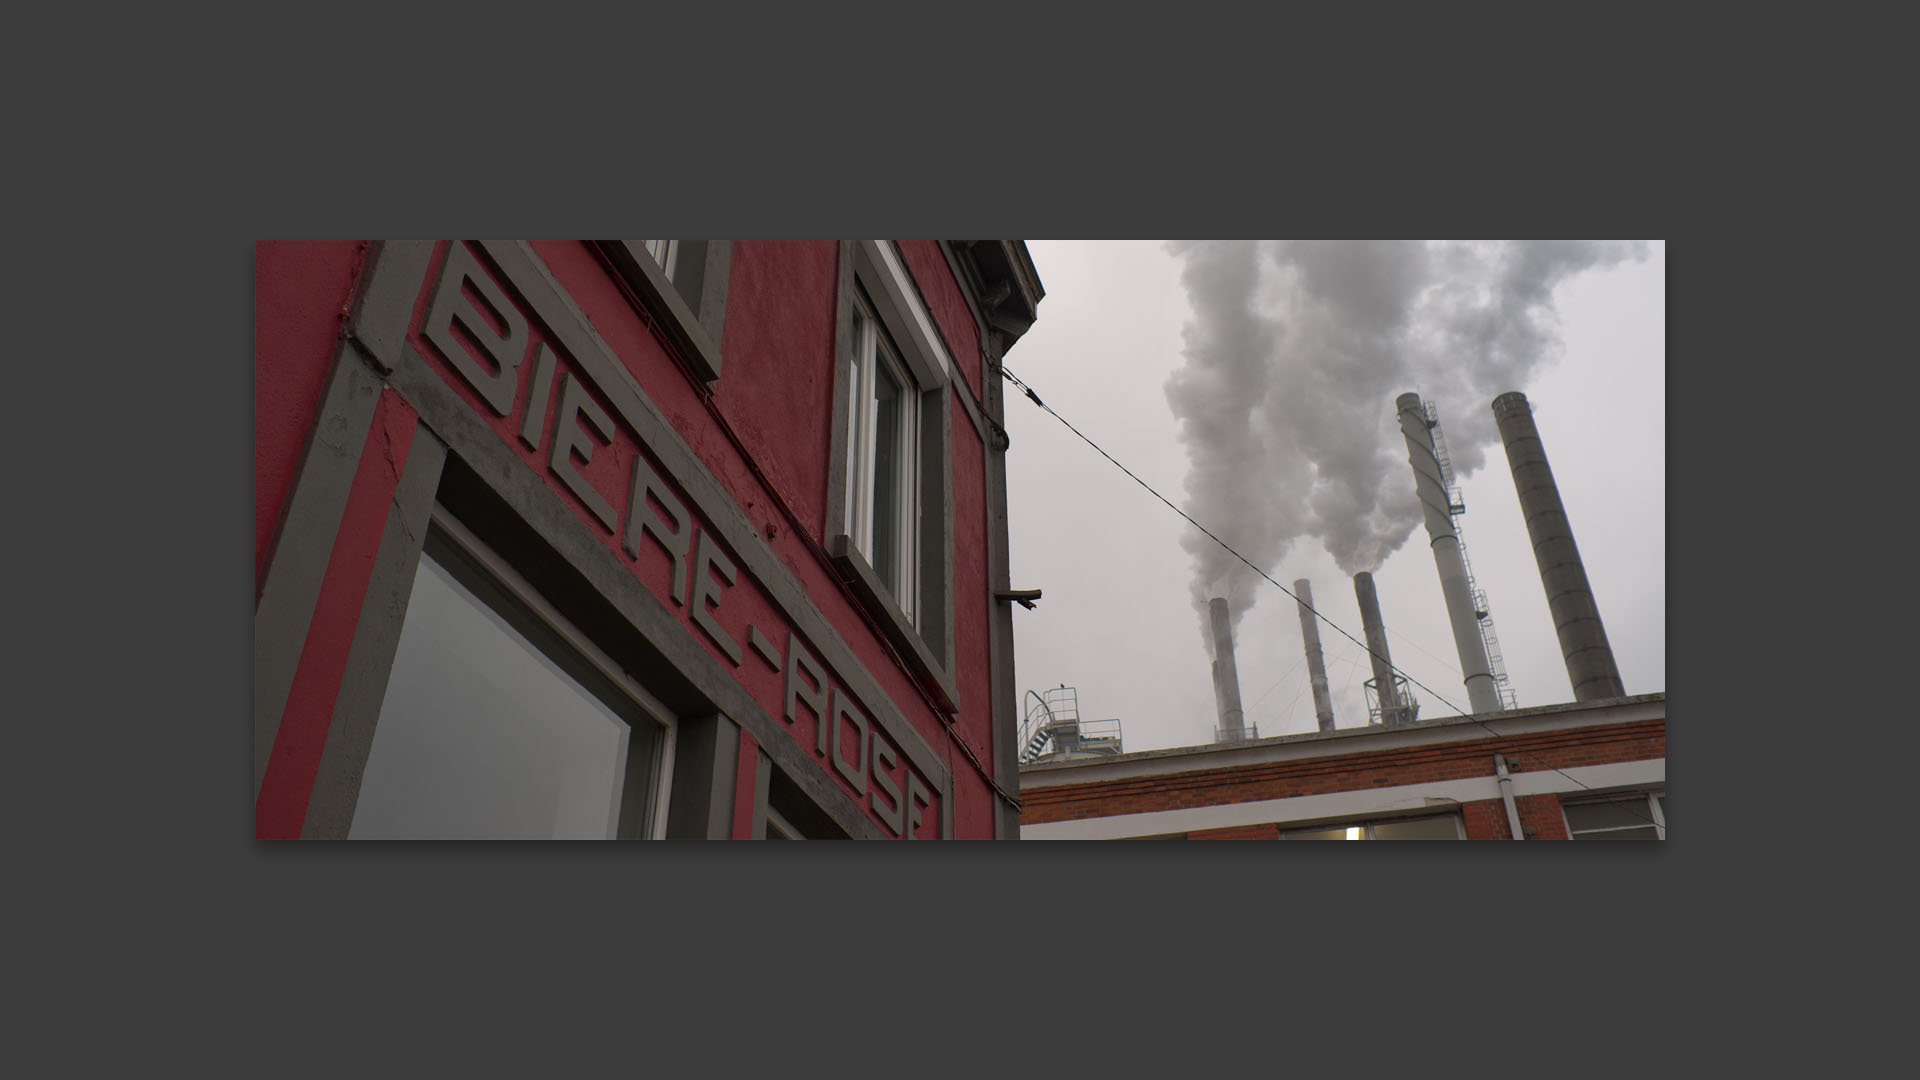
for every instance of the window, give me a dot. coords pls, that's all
(1641, 815)
(890, 497)
(1435, 827)
(663, 252)
(501, 722)
(682, 287)
(779, 828)
(791, 814)
(882, 456)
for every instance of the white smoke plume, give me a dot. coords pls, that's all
(1295, 352)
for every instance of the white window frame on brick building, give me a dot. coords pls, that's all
(1620, 816)
(1421, 827)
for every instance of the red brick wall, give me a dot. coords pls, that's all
(1486, 820)
(1540, 818)
(1358, 771)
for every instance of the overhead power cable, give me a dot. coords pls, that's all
(1035, 398)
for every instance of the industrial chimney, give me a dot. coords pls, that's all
(1316, 666)
(1226, 680)
(1396, 704)
(1583, 640)
(1436, 502)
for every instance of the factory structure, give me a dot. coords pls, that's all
(1594, 768)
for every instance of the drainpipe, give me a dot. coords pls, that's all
(1506, 795)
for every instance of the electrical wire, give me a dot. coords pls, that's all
(1035, 398)
(1416, 646)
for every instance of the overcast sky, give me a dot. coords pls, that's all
(1119, 322)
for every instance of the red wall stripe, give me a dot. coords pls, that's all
(281, 808)
(745, 785)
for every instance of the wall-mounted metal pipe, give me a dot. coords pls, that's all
(1506, 796)
(1576, 619)
(1436, 504)
(1316, 663)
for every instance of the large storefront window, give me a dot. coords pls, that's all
(498, 723)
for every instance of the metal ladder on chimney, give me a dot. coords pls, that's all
(1456, 506)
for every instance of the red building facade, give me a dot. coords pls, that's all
(634, 539)
(1591, 770)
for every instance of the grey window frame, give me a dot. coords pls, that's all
(495, 583)
(925, 640)
(781, 810)
(779, 828)
(688, 304)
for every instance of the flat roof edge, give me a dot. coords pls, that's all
(1050, 770)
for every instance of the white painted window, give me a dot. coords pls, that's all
(501, 721)
(1640, 815)
(664, 252)
(883, 456)
(890, 520)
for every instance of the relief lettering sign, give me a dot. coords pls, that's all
(480, 333)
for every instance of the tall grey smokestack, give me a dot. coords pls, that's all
(1316, 665)
(1393, 711)
(1226, 680)
(1583, 640)
(1291, 347)
(1436, 504)
(1376, 635)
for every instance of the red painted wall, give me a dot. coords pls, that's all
(948, 304)
(774, 393)
(972, 642)
(281, 807)
(301, 292)
(763, 430)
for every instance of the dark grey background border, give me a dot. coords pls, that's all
(252, 950)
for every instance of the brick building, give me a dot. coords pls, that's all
(634, 539)
(1589, 770)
